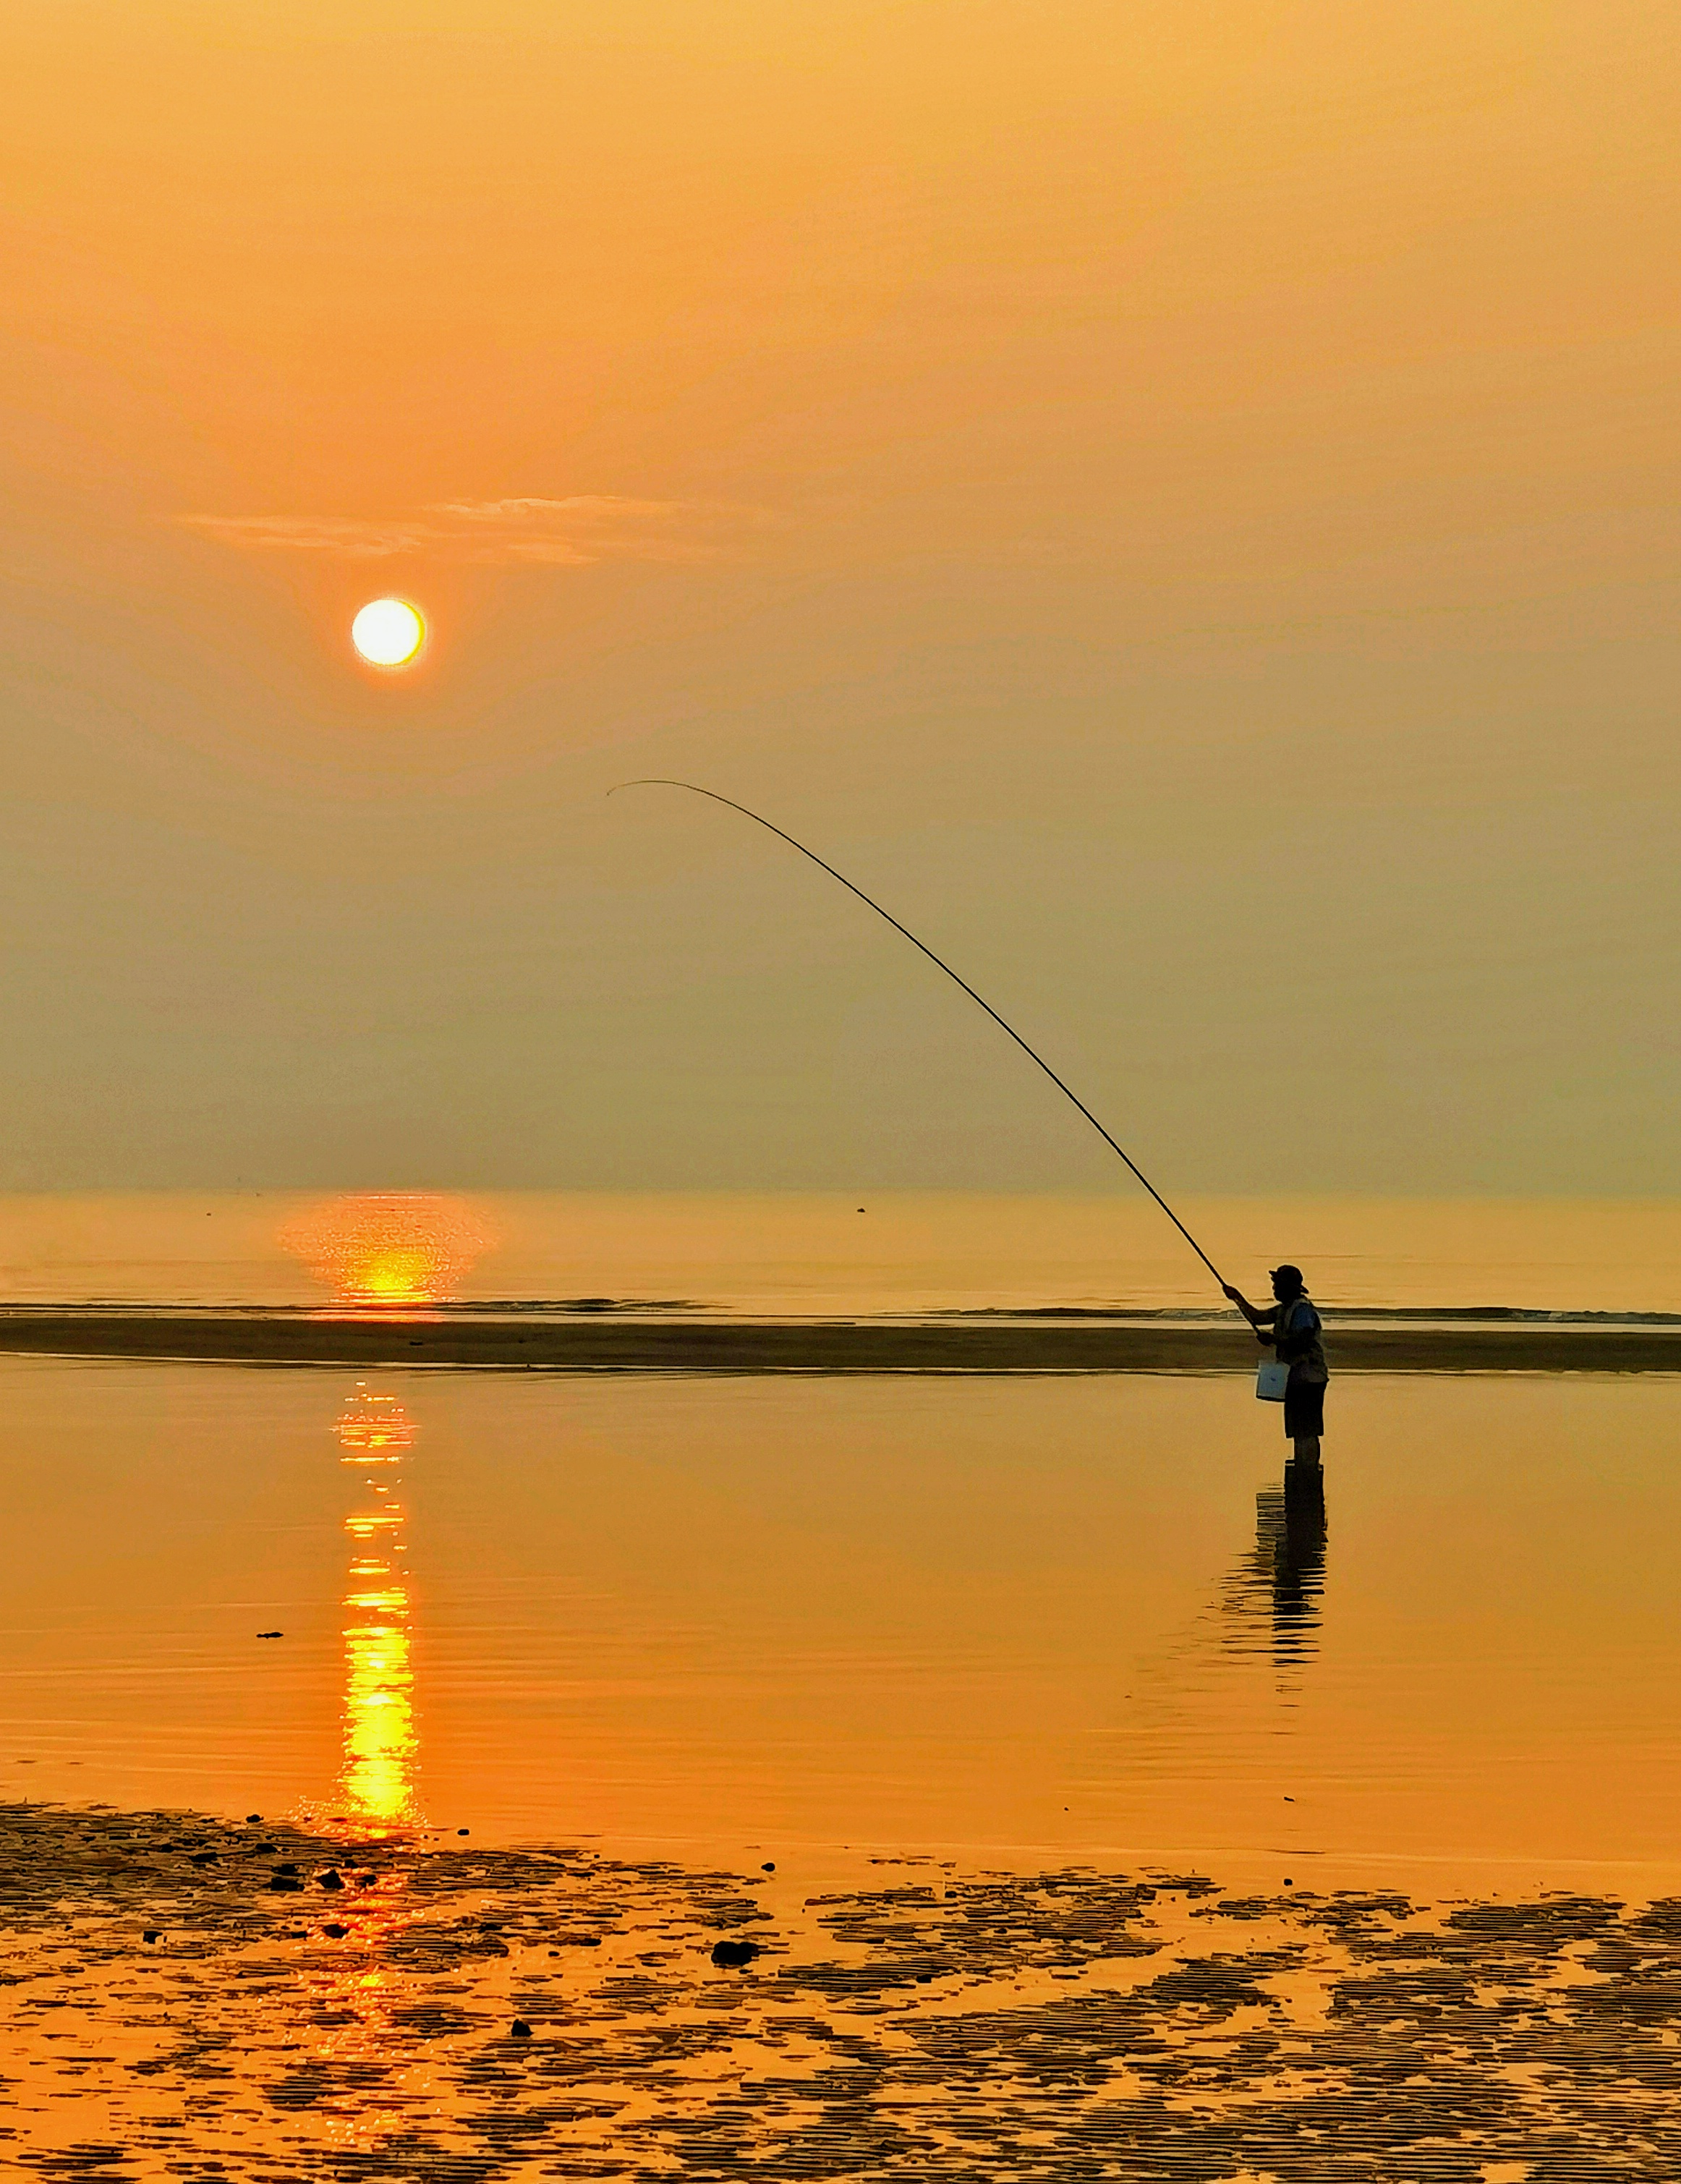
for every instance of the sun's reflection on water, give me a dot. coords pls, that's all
(349, 2076)
(379, 1779)
(389, 1250)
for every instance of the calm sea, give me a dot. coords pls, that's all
(799, 1253)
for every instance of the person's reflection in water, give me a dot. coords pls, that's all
(377, 1784)
(1298, 1561)
(1282, 1577)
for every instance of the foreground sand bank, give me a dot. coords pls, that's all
(597, 1343)
(273, 2002)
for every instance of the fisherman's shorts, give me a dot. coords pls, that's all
(1304, 1409)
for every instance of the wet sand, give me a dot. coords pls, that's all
(594, 1342)
(183, 1995)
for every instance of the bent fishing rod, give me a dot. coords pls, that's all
(695, 789)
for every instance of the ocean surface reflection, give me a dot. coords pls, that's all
(387, 1250)
(1077, 1615)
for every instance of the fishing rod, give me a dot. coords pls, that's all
(694, 789)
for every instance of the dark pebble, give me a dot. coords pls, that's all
(334, 1933)
(329, 1879)
(769, 1866)
(734, 1954)
(521, 2029)
(205, 1858)
(285, 1884)
(463, 1831)
(271, 1634)
(252, 1818)
(152, 1934)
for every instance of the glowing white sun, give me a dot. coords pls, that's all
(388, 632)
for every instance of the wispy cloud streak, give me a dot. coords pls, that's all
(572, 531)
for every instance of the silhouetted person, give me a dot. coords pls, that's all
(1292, 1327)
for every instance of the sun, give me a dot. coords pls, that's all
(388, 632)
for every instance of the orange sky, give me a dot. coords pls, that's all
(1179, 498)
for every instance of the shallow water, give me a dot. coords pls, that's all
(1022, 1616)
(936, 1776)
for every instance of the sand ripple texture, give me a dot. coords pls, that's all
(187, 1998)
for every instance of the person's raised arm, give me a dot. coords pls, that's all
(1252, 1313)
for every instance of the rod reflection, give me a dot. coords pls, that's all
(379, 1778)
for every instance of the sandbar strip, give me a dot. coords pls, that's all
(595, 1344)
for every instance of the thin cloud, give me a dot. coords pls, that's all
(313, 534)
(575, 508)
(568, 532)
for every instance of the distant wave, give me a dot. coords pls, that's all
(619, 1307)
(1184, 1315)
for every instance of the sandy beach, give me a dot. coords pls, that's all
(189, 1995)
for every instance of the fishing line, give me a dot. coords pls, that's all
(694, 789)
